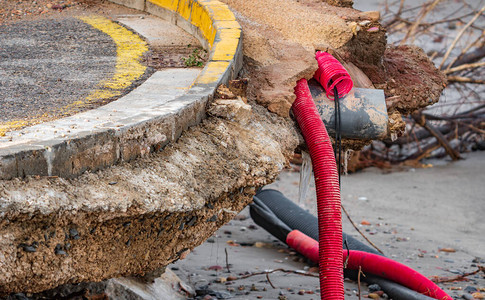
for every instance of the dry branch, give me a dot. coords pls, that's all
(421, 120)
(464, 67)
(458, 36)
(463, 79)
(425, 11)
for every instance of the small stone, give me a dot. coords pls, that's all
(373, 296)
(478, 260)
(301, 292)
(365, 222)
(260, 245)
(470, 289)
(28, 248)
(478, 295)
(59, 251)
(240, 217)
(221, 279)
(184, 254)
(374, 288)
(192, 221)
(74, 234)
(370, 15)
(232, 243)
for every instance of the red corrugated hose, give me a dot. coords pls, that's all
(327, 189)
(331, 73)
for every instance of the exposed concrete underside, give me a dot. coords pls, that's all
(134, 218)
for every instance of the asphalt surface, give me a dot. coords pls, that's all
(48, 64)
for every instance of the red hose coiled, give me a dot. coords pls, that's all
(373, 264)
(328, 192)
(331, 73)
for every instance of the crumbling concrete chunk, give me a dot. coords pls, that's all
(231, 109)
(223, 92)
(279, 46)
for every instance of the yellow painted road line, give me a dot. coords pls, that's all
(129, 50)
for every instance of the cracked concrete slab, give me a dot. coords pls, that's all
(64, 221)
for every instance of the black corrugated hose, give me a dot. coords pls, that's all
(279, 215)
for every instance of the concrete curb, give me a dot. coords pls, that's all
(129, 136)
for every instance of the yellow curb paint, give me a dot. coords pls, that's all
(213, 18)
(212, 72)
(184, 8)
(221, 12)
(201, 18)
(129, 50)
(229, 33)
(225, 49)
(227, 25)
(167, 4)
